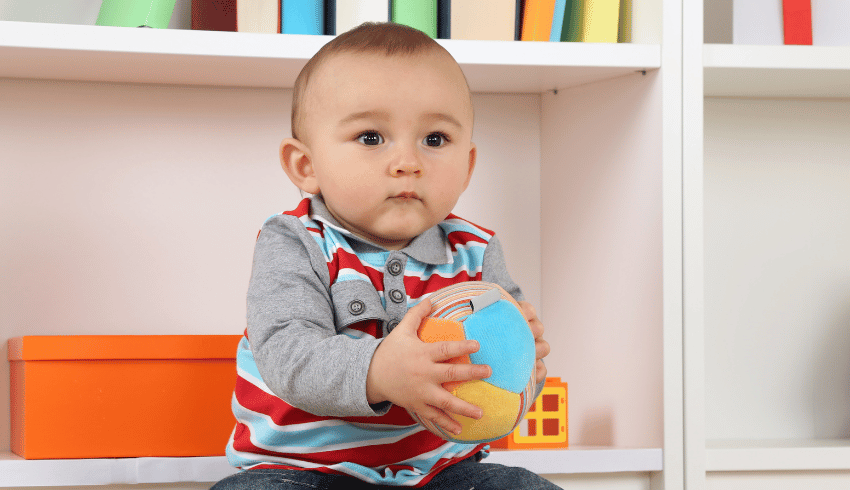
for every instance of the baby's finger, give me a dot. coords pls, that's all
(440, 419)
(536, 327)
(541, 348)
(541, 371)
(450, 404)
(458, 372)
(528, 310)
(443, 351)
(414, 316)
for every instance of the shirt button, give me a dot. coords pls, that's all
(356, 307)
(397, 296)
(393, 324)
(394, 267)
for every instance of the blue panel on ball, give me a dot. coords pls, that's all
(507, 344)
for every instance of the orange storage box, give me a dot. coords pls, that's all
(113, 396)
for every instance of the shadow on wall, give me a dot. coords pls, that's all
(832, 373)
(597, 428)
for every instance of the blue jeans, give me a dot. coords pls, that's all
(468, 474)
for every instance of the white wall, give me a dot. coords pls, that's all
(133, 209)
(777, 262)
(602, 292)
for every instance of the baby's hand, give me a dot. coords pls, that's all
(541, 346)
(409, 372)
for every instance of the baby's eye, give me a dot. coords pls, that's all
(370, 138)
(436, 140)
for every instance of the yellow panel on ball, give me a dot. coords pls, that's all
(501, 411)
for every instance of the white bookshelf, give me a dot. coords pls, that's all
(561, 125)
(776, 71)
(778, 455)
(16, 472)
(767, 269)
(231, 59)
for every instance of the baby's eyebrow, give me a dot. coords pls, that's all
(384, 116)
(365, 115)
(439, 116)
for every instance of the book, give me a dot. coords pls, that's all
(136, 13)
(302, 16)
(258, 16)
(600, 21)
(624, 34)
(537, 20)
(468, 20)
(419, 14)
(797, 21)
(352, 13)
(757, 22)
(214, 15)
(236, 15)
(571, 24)
(831, 23)
(557, 20)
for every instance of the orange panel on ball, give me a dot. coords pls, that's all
(441, 330)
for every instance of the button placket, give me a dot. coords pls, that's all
(395, 295)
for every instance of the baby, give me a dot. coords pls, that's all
(382, 124)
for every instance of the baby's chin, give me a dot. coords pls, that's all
(398, 237)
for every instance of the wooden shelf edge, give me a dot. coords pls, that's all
(777, 455)
(18, 472)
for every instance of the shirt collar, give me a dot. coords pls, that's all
(430, 247)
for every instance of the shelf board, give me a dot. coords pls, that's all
(581, 460)
(778, 455)
(186, 57)
(776, 71)
(18, 472)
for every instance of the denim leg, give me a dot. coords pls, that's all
(472, 475)
(275, 479)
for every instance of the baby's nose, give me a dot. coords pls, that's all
(407, 162)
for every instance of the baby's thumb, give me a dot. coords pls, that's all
(414, 316)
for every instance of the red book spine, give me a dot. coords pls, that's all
(214, 15)
(797, 16)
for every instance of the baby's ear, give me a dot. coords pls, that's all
(473, 155)
(296, 161)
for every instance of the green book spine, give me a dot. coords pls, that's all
(624, 33)
(419, 14)
(136, 13)
(571, 29)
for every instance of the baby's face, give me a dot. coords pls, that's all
(389, 140)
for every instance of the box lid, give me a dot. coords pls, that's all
(97, 347)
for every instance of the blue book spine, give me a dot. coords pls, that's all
(558, 21)
(302, 16)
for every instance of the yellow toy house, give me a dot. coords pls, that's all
(545, 425)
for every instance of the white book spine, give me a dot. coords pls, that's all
(257, 16)
(352, 13)
(758, 22)
(831, 22)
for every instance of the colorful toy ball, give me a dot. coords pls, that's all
(486, 313)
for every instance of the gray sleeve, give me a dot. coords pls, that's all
(291, 327)
(495, 270)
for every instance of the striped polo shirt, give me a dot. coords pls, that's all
(320, 300)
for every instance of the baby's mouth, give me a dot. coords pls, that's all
(406, 195)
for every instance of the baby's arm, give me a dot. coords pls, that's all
(410, 373)
(291, 327)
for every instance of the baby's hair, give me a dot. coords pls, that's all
(371, 37)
